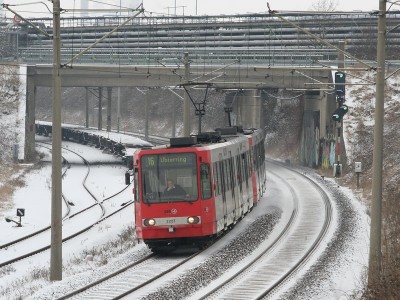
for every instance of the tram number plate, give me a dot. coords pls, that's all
(170, 221)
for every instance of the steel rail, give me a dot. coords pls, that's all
(127, 289)
(317, 242)
(101, 219)
(265, 291)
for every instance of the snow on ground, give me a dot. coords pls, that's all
(339, 270)
(78, 270)
(340, 279)
(35, 197)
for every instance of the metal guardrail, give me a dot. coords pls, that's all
(129, 56)
(81, 136)
(251, 38)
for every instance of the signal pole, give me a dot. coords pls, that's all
(186, 103)
(339, 125)
(375, 255)
(56, 208)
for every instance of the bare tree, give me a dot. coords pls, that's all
(9, 95)
(325, 5)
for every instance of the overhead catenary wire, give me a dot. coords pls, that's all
(282, 98)
(6, 6)
(105, 3)
(31, 3)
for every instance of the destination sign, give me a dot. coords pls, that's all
(163, 160)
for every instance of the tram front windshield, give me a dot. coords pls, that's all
(169, 177)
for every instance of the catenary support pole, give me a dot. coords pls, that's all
(375, 254)
(186, 99)
(146, 112)
(173, 117)
(56, 207)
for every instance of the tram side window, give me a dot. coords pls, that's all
(249, 162)
(232, 173)
(227, 176)
(246, 169)
(216, 178)
(256, 156)
(205, 181)
(222, 176)
(239, 171)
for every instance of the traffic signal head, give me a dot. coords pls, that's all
(340, 88)
(340, 112)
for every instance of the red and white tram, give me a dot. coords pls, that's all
(192, 190)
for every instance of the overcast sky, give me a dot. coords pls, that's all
(189, 6)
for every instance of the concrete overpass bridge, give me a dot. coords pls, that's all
(313, 82)
(247, 52)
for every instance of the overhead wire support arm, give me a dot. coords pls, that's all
(200, 107)
(172, 71)
(391, 74)
(207, 84)
(216, 70)
(103, 38)
(6, 6)
(275, 13)
(306, 76)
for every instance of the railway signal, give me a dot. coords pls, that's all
(340, 87)
(340, 112)
(20, 214)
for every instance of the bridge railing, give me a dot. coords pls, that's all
(170, 57)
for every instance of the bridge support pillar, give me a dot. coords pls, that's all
(109, 93)
(323, 115)
(29, 146)
(100, 113)
(248, 109)
(87, 107)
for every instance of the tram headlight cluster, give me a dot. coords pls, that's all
(149, 222)
(193, 220)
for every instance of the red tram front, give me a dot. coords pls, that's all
(187, 195)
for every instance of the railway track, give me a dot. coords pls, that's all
(18, 249)
(267, 272)
(263, 274)
(132, 280)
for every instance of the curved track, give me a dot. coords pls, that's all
(262, 275)
(19, 250)
(266, 273)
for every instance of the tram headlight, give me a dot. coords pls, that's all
(193, 220)
(149, 222)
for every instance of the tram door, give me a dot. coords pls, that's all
(239, 185)
(222, 172)
(234, 188)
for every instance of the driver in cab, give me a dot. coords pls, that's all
(173, 190)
